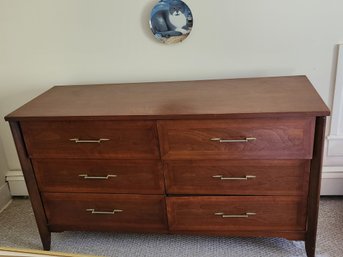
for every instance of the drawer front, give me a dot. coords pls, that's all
(237, 213)
(265, 138)
(105, 211)
(236, 177)
(91, 139)
(99, 176)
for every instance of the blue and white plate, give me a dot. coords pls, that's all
(171, 21)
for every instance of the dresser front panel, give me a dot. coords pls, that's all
(251, 213)
(105, 211)
(238, 177)
(99, 176)
(91, 139)
(262, 138)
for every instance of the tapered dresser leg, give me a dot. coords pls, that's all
(314, 189)
(46, 241)
(32, 187)
(310, 246)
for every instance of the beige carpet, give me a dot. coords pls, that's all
(18, 229)
(15, 252)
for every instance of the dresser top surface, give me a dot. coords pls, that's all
(167, 100)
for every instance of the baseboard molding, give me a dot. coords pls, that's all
(5, 197)
(16, 183)
(332, 182)
(332, 169)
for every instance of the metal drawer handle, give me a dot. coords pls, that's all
(93, 211)
(247, 139)
(245, 215)
(77, 140)
(85, 176)
(221, 177)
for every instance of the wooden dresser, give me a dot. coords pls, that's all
(238, 157)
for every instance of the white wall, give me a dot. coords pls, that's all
(3, 165)
(49, 42)
(4, 190)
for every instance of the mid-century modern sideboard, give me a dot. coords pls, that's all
(238, 157)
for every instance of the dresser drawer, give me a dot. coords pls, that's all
(260, 138)
(105, 211)
(99, 176)
(240, 213)
(91, 139)
(236, 177)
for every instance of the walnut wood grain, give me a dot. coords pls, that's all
(272, 177)
(251, 97)
(290, 235)
(276, 138)
(139, 212)
(134, 177)
(126, 139)
(273, 213)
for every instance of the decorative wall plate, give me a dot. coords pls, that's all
(171, 21)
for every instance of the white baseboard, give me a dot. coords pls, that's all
(5, 197)
(16, 183)
(332, 182)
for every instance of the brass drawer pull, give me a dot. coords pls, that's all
(85, 176)
(247, 139)
(221, 177)
(246, 215)
(93, 211)
(77, 140)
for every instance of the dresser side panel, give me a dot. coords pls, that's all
(35, 197)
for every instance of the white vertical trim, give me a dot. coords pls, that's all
(5, 197)
(335, 138)
(337, 108)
